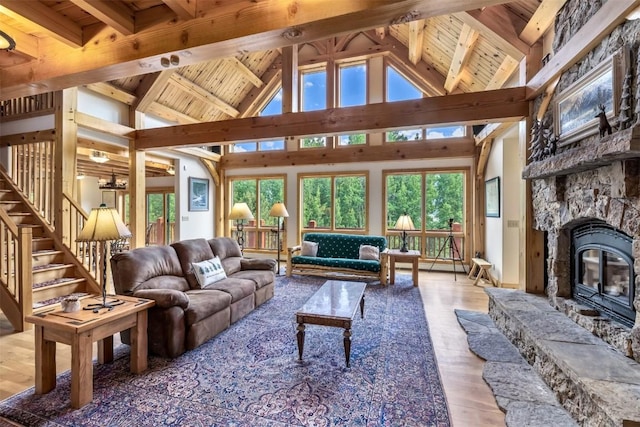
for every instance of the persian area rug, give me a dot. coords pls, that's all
(250, 375)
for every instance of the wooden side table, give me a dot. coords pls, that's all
(410, 256)
(80, 330)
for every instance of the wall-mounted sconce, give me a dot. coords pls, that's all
(171, 170)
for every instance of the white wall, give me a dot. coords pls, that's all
(191, 225)
(502, 235)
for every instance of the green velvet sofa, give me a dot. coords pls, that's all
(338, 256)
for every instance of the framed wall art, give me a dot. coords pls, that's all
(576, 108)
(492, 197)
(198, 194)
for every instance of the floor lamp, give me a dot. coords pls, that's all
(104, 224)
(404, 223)
(280, 211)
(240, 212)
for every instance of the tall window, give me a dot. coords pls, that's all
(401, 89)
(352, 92)
(431, 199)
(273, 107)
(259, 193)
(334, 202)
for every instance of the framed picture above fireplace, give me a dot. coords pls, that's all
(492, 197)
(576, 107)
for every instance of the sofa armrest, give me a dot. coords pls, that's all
(293, 249)
(258, 264)
(290, 252)
(164, 298)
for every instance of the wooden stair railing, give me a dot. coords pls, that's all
(38, 268)
(87, 253)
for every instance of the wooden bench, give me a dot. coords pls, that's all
(481, 267)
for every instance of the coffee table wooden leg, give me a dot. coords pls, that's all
(347, 344)
(45, 362)
(300, 340)
(139, 344)
(81, 370)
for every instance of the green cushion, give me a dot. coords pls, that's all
(354, 264)
(335, 245)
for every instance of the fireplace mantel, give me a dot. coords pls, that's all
(621, 145)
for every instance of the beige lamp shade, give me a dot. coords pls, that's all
(279, 210)
(404, 223)
(103, 224)
(240, 211)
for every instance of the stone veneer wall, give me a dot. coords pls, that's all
(609, 193)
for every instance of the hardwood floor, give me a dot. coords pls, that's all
(470, 400)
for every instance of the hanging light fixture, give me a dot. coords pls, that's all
(114, 184)
(6, 41)
(99, 156)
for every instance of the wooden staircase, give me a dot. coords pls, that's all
(36, 268)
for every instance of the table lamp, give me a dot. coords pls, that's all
(404, 223)
(104, 224)
(240, 212)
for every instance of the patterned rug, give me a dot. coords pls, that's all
(250, 375)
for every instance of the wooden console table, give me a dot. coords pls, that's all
(80, 330)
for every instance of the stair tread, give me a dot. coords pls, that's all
(46, 252)
(57, 281)
(52, 266)
(39, 305)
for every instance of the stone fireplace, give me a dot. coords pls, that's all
(586, 195)
(588, 203)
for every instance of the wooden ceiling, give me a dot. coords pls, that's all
(192, 61)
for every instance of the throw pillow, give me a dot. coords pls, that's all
(309, 248)
(369, 252)
(209, 271)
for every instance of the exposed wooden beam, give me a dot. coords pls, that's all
(546, 100)
(416, 39)
(113, 92)
(381, 32)
(484, 156)
(202, 94)
(246, 71)
(150, 88)
(185, 9)
(240, 26)
(198, 152)
(541, 20)
(421, 72)
(170, 114)
(351, 154)
(211, 167)
(491, 130)
(508, 66)
(27, 137)
(464, 47)
(504, 104)
(53, 24)
(91, 144)
(258, 97)
(496, 25)
(101, 125)
(26, 44)
(114, 14)
(609, 16)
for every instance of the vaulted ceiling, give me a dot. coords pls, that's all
(193, 61)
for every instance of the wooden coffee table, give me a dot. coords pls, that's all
(80, 330)
(334, 304)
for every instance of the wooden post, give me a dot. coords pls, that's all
(66, 138)
(25, 269)
(137, 196)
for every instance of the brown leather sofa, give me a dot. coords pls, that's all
(186, 315)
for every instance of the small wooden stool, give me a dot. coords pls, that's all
(482, 267)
